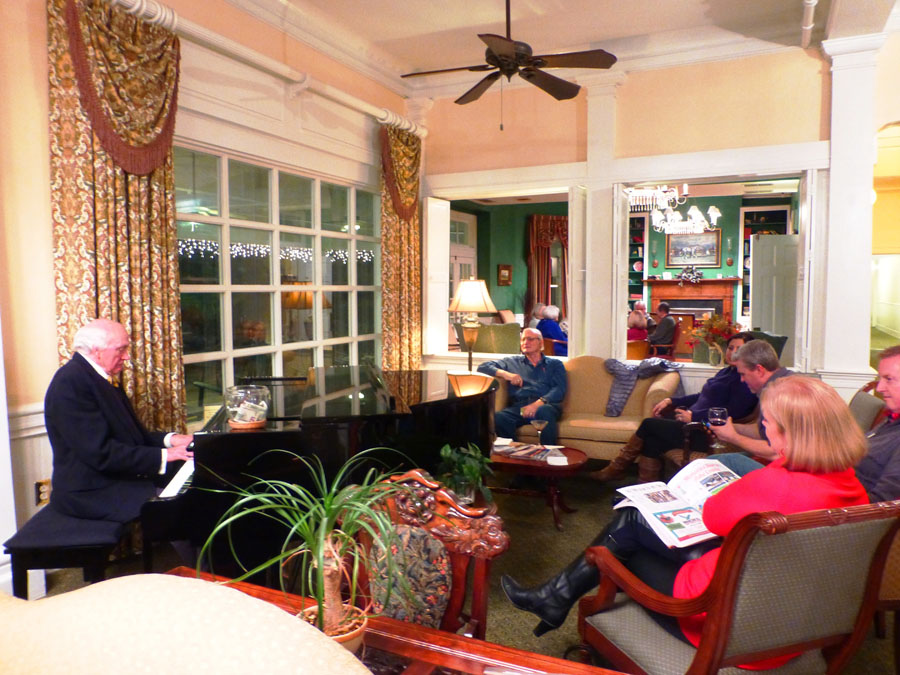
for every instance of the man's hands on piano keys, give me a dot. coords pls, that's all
(180, 447)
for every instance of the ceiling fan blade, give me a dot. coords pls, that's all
(501, 46)
(593, 58)
(557, 87)
(480, 67)
(475, 92)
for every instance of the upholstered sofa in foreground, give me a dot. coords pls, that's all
(155, 623)
(584, 424)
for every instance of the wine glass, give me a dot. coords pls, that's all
(539, 425)
(718, 417)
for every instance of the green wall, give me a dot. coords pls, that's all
(730, 225)
(503, 240)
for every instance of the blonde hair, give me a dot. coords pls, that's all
(821, 435)
(636, 319)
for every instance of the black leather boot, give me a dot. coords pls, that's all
(552, 600)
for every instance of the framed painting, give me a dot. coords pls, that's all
(699, 250)
(504, 275)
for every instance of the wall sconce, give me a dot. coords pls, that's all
(471, 297)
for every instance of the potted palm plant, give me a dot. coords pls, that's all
(322, 524)
(464, 470)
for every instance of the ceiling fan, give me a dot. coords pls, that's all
(506, 56)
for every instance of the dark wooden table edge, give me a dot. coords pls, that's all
(433, 646)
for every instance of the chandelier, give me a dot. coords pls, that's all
(660, 197)
(661, 201)
(671, 221)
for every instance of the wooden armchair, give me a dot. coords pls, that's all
(806, 582)
(550, 346)
(442, 539)
(666, 351)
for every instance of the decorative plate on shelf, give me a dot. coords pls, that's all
(638, 266)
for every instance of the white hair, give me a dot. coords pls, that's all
(91, 336)
(551, 312)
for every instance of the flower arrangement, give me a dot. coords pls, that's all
(714, 330)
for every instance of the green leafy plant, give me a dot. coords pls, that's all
(464, 470)
(323, 524)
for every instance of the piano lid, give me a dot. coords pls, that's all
(343, 392)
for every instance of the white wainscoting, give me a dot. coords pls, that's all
(31, 461)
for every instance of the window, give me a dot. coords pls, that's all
(299, 286)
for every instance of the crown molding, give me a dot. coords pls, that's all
(310, 27)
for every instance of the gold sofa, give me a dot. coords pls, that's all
(583, 424)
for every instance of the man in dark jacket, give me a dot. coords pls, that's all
(104, 460)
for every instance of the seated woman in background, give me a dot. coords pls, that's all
(665, 430)
(537, 314)
(637, 325)
(549, 327)
(818, 443)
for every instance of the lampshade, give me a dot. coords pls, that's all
(467, 383)
(472, 297)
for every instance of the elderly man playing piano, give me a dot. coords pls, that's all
(104, 460)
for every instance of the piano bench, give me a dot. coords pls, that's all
(51, 540)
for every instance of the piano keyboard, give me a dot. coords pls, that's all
(178, 480)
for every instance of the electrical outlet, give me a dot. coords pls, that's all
(42, 492)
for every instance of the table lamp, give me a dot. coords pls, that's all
(467, 383)
(471, 297)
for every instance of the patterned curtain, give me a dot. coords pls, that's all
(113, 91)
(401, 250)
(543, 230)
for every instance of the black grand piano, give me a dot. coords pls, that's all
(333, 413)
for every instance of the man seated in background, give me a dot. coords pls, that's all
(104, 459)
(664, 333)
(757, 364)
(549, 328)
(537, 386)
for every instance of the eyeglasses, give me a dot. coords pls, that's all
(529, 339)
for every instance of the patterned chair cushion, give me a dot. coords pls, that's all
(426, 566)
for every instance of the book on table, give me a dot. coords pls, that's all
(674, 510)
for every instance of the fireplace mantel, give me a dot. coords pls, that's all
(669, 291)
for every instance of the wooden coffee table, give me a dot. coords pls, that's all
(550, 473)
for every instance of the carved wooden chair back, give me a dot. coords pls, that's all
(443, 540)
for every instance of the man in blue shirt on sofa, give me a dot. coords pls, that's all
(537, 386)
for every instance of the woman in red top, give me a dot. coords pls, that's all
(818, 443)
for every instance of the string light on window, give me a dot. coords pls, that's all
(241, 250)
(205, 248)
(295, 254)
(199, 248)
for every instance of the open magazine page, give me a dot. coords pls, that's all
(700, 480)
(676, 522)
(674, 511)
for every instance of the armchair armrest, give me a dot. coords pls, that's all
(657, 391)
(614, 575)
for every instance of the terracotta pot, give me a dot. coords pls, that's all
(349, 633)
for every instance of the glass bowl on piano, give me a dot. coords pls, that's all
(247, 406)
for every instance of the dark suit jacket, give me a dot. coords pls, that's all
(104, 460)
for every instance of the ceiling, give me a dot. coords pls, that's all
(386, 38)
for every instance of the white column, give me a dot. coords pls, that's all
(7, 504)
(598, 245)
(844, 321)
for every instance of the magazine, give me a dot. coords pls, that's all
(675, 510)
(531, 451)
